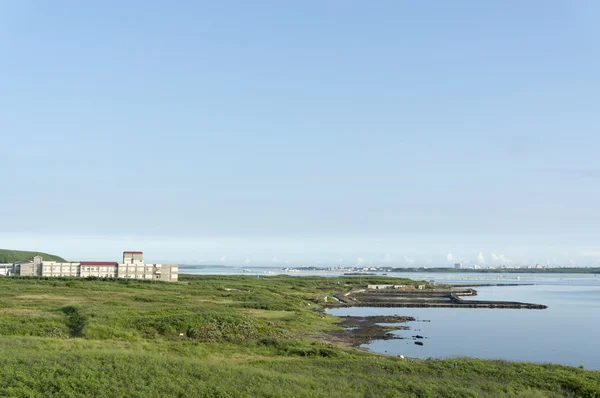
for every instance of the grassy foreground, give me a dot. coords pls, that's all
(12, 256)
(227, 337)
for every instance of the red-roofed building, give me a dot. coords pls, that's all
(133, 267)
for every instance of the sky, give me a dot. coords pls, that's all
(313, 132)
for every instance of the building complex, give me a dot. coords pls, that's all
(132, 267)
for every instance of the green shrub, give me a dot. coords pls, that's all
(76, 321)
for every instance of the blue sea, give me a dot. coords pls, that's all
(565, 333)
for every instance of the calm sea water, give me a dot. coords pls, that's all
(565, 333)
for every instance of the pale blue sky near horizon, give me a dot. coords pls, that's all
(388, 131)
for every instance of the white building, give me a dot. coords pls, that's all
(400, 287)
(133, 267)
(4, 268)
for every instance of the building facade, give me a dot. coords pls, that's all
(133, 267)
(399, 287)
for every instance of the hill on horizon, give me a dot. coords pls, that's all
(11, 256)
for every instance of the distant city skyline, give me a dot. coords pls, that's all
(303, 131)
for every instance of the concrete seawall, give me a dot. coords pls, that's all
(494, 304)
(426, 299)
(490, 304)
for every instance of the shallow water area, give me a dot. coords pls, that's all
(566, 332)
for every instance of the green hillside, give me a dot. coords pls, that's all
(227, 336)
(10, 256)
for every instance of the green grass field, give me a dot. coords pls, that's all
(11, 256)
(225, 336)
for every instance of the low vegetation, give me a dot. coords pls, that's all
(225, 336)
(11, 256)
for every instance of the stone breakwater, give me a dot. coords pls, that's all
(435, 298)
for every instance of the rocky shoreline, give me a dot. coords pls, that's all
(359, 330)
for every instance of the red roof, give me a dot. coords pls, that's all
(133, 252)
(98, 263)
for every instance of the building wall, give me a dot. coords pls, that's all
(163, 272)
(167, 272)
(53, 268)
(133, 257)
(98, 271)
(26, 269)
(5, 268)
(132, 268)
(380, 287)
(135, 270)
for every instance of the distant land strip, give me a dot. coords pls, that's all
(554, 270)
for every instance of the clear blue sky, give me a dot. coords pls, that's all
(389, 131)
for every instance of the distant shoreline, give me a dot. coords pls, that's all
(373, 270)
(581, 270)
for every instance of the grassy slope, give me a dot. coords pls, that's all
(122, 338)
(11, 256)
